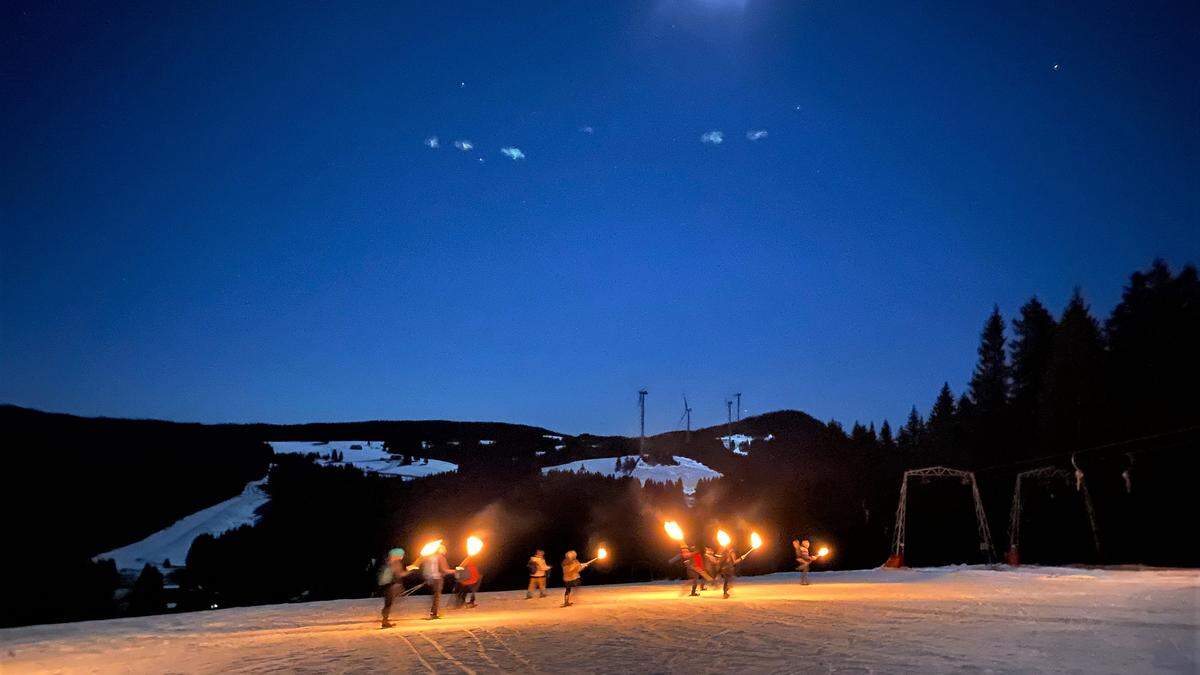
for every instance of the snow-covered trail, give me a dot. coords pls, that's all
(172, 542)
(950, 619)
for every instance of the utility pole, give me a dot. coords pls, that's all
(642, 412)
(739, 406)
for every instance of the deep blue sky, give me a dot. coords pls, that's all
(227, 211)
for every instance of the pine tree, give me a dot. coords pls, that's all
(941, 428)
(989, 388)
(146, 596)
(886, 441)
(1032, 345)
(1072, 401)
(911, 437)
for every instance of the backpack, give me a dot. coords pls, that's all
(532, 567)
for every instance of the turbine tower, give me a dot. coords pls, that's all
(642, 413)
(729, 422)
(687, 415)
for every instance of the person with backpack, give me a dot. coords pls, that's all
(466, 581)
(537, 574)
(572, 572)
(391, 582)
(434, 569)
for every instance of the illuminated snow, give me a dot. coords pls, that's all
(892, 621)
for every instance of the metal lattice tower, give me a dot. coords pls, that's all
(898, 540)
(739, 405)
(1014, 514)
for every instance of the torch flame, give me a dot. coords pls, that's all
(723, 539)
(673, 530)
(431, 547)
(823, 552)
(755, 540)
(602, 553)
(474, 545)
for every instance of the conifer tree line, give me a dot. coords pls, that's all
(1045, 384)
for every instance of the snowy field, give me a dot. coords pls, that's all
(172, 543)
(366, 455)
(936, 620)
(687, 470)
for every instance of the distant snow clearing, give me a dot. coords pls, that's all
(739, 444)
(366, 455)
(687, 470)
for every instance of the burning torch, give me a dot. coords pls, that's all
(601, 554)
(673, 530)
(755, 542)
(474, 546)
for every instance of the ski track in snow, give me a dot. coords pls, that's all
(933, 620)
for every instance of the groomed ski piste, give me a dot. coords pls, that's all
(172, 543)
(689, 471)
(948, 619)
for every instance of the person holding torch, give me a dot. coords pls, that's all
(572, 572)
(434, 569)
(467, 576)
(728, 560)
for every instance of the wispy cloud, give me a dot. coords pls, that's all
(512, 153)
(432, 142)
(587, 130)
(713, 137)
(756, 134)
(465, 146)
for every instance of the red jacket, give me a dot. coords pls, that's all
(472, 573)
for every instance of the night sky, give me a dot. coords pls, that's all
(232, 212)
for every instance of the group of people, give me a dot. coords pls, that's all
(701, 567)
(707, 567)
(434, 569)
(539, 571)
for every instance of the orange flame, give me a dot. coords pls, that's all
(673, 530)
(474, 545)
(755, 540)
(723, 538)
(431, 547)
(602, 553)
(823, 552)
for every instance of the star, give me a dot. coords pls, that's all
(1055, 67)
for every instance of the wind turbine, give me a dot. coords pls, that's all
(687, 415)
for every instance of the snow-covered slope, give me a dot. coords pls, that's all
(738, 443)
(885, 621)
(689, 471)
(366, 455)
(173, 542)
